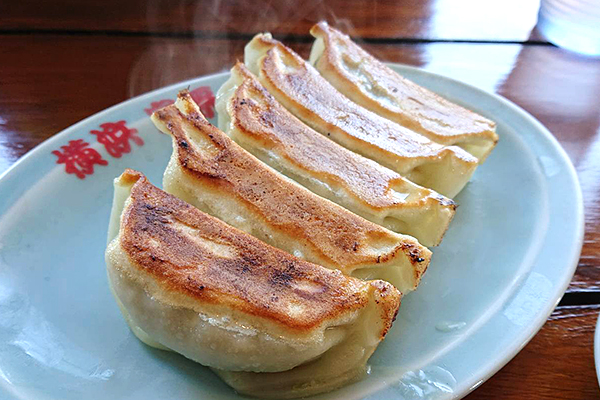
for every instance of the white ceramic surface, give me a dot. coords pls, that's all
(501, 269)
(597, 348)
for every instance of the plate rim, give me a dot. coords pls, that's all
(521, 339)
(597, 348)
(576, 247)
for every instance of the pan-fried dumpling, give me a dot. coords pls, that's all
(213, 173)
(299, 87)
(187, 282)
(370, 83)
(257, 122)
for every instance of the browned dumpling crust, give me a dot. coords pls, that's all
(189, 283)
(302, 90)
(193, 254)
(210, 171)
(370, 83)
(256, 121)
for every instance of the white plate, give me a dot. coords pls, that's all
(597, 348)
(504, 264)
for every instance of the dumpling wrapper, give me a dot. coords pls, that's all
(188, 282)
(210, 171)
(370, 83)
(262, 126)
(299, 87)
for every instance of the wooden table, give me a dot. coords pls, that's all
(64, 60)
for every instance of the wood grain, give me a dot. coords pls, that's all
(408, 19)
(51, 82)
(558, 363)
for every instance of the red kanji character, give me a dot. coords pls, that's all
(115, 137)
(205, 99)
(79, 159)
(158, 105)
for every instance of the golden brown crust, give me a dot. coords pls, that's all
(317, 99)
(337, 235)
(388, 308)
(256, 113)
(171, 240)
(411, 105)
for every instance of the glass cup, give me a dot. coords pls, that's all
(572, 24)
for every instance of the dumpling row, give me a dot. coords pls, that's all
(303, 167)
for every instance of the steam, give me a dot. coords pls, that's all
(220, 30)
